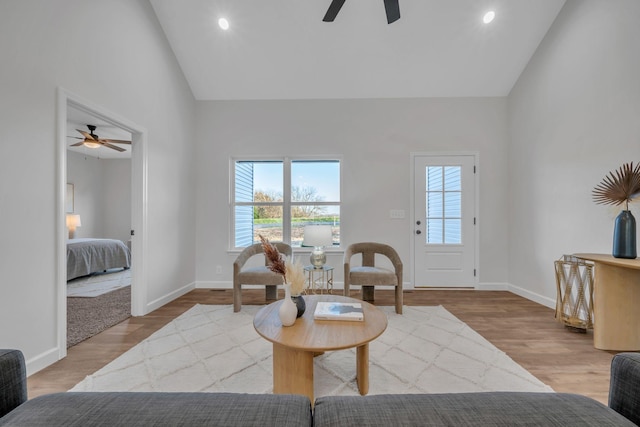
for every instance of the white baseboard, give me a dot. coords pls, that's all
(540, 299)
(42, 360)
(153, 305)
(492, 287)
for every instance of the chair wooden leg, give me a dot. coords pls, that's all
(271, 292)
(399, 299)
(237, 298)
(368, 293)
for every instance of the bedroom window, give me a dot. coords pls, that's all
(277, 198)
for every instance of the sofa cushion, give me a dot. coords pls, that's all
(161, 409)
(465, 409)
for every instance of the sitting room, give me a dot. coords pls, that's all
(466, 138)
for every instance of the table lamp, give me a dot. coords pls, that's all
(73, 221)
(317, 236)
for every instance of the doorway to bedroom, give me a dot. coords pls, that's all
(98, 216)
(103, 183)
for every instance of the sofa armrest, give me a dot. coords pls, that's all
(624, 389)
(13, 380)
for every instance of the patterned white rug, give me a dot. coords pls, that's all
(210, 348)
(98, 284)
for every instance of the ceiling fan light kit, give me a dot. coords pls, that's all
(391, 7)
(91, 140)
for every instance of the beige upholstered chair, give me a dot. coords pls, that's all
(260, 275)
(368, 274)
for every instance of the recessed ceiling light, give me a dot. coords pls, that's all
(223, 23)
(488, 17)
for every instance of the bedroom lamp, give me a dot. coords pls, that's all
(317, 236)
(73, 221)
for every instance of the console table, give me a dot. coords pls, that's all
(616, 302)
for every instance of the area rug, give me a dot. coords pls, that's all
(87, 317)
(97, 284)
(209, 348)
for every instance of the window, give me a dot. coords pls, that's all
(277, 198)
(444, 204)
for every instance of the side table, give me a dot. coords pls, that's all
(319, 280)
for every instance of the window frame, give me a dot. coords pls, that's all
(286, 203)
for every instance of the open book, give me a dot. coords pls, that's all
(339, 311)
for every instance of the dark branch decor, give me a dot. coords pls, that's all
(621, 186)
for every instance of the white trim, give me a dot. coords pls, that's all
(476, 213)
(157, 303)
(540, 299)
(41, 361)
(139, 163)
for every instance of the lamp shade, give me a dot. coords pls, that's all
(317, 235)
(73, 221)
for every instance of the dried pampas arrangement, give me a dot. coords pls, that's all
(291, 270)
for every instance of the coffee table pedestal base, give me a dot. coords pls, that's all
(293, 370)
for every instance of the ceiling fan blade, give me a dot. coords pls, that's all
(77, 144)
(86, 135)
(114, 147)
(333, 10)
(116, 141)
(393, 10)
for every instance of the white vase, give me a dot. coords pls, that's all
(288, 310)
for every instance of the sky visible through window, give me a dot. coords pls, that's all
(323, 176)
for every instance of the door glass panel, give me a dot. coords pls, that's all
(452, 231)
(444, 204)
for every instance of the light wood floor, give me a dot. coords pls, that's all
(526, 331)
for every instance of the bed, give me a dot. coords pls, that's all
(86, 256)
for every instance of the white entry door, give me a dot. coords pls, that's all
(444, 221)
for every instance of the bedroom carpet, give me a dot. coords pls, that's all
(98, 284)
(87, 317)
(210, 348)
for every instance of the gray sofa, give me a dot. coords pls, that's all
(231, 409)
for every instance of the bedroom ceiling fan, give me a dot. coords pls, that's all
(391, 7)
(92, 140)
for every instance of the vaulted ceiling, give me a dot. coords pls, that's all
(283, 50)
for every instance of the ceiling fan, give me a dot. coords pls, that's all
(391, 7)
(92, 140)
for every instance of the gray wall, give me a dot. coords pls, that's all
(102, 195)
(574, 116)
(113, 54)
(375, 139)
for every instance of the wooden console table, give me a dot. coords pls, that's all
(616, 302)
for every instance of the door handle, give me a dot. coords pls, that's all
(418, 232)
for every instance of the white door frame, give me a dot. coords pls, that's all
(139, 169)
(412, 223)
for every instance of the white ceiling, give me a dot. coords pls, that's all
(281, 49)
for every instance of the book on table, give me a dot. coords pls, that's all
(328, 310)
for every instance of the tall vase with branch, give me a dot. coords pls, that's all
(618, 187)
(293, 280)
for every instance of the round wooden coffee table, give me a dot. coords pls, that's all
(294, 346)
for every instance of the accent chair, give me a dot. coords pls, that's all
(369, 275)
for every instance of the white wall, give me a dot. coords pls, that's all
(375, 139)
(574, 116)
(113, 54)
(102, 193)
